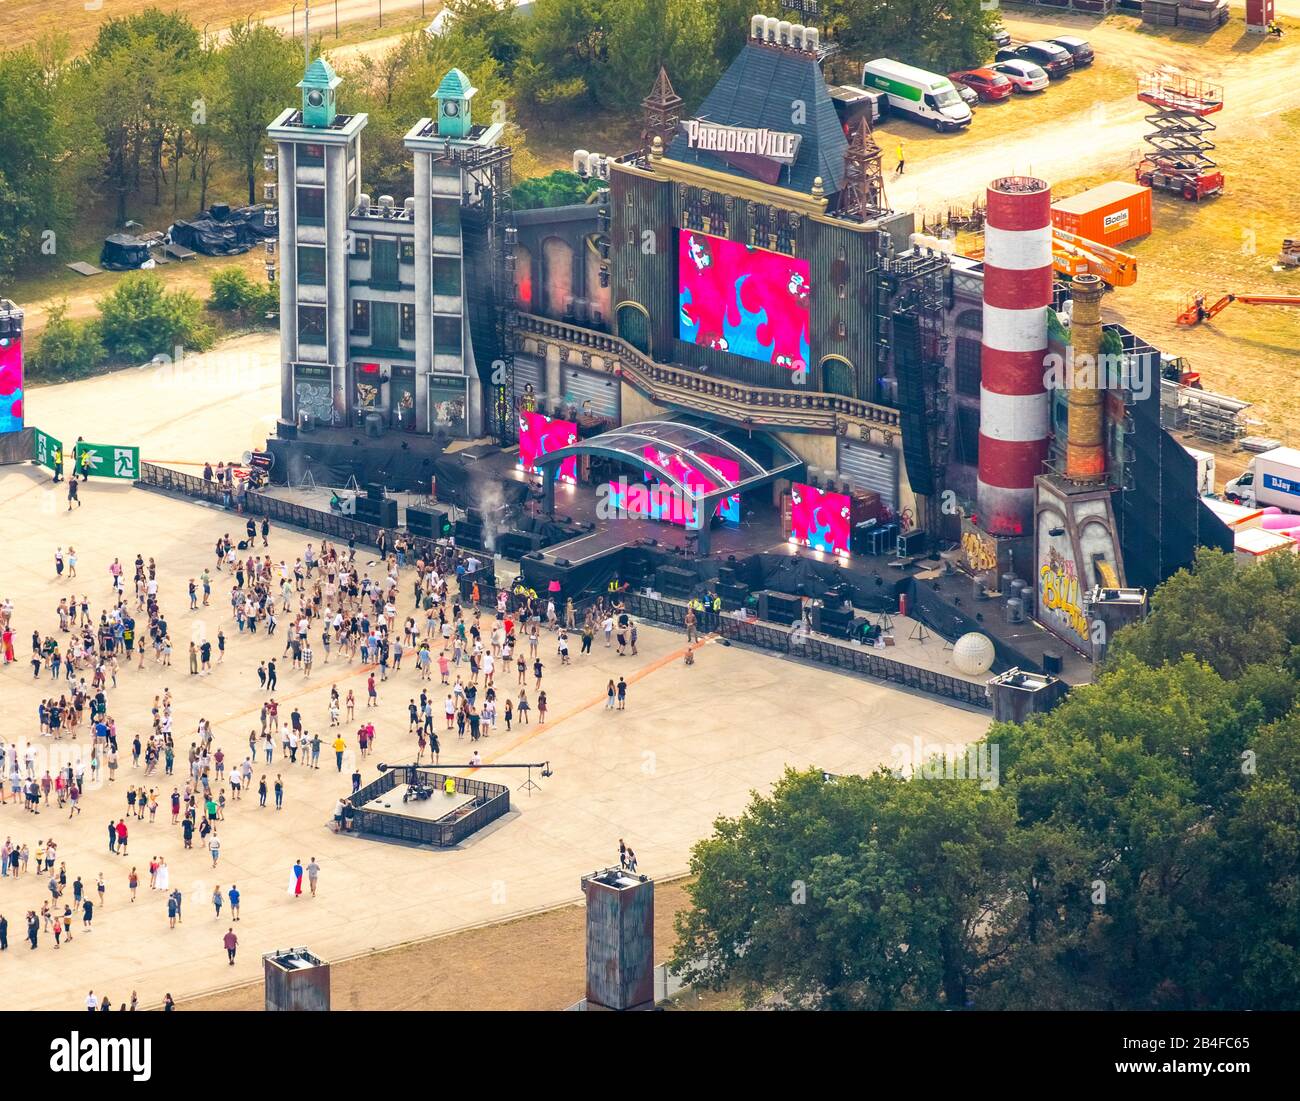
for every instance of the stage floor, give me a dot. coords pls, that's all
(434, 809)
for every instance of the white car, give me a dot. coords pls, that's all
(1025, 76)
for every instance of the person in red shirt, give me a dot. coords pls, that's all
(121, 836)
(231, 942)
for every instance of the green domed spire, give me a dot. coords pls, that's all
(318, 85)
(453, 96)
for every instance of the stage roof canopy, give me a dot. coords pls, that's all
(654, 445)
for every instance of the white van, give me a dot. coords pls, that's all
(912, 91)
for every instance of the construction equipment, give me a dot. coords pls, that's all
(1197, 311)
(1179, 159)
(1074, 255)
(1177, 369)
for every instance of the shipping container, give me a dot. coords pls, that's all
(1109, 214)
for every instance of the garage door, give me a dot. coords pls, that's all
(597, 388)
(528, 372)
(872, 468)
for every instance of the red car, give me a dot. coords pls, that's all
(985, 83)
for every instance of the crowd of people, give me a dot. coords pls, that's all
(470, 634)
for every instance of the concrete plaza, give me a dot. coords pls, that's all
(692, 744)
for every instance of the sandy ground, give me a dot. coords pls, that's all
(534, 963)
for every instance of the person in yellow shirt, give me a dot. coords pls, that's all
(450, 785)
(339, 746)
(899, 170)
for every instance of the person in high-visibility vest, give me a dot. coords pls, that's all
(85, 466)
(57, 463)
(450, 786)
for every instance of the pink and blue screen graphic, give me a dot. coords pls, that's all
(11, 384)
(746, 301)
(820, 520)
(539, 435)
(660, 501)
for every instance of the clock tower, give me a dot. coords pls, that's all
(318, 84)
(453, 96)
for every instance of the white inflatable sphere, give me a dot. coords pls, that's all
(973, 654)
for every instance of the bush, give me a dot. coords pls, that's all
(140, 319)
(560, 188)
(68, 349)
(234, 292)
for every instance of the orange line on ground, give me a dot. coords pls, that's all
(644, 671)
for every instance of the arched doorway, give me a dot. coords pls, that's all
(557, 263)
(523, 278)
(837, 377)
(634, 325)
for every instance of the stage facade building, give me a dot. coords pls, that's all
(389, 317)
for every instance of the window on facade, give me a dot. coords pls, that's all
(446, 275)
(360, 246)
(311, 265)
(311, 205)
(968, 435)
(311, 156)
(383, 325)
(446, 336)
(383, 262)
(446, 216)
(408, 251)
(408, 321)
(971, 319)
(311, 324)
(361, 317)
(968, 366)
(840, 290)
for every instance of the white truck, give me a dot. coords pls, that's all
(1272, 478)
(926, 97)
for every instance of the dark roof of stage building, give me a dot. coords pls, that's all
(759, 90)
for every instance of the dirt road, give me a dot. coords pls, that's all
(1107, 132)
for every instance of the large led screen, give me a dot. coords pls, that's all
(746, 301)
(659, 501)
(539, 435)
(11, 384)
(819, 520)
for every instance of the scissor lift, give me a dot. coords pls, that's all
(1180, 143)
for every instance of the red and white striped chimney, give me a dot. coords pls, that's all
(1014, 410)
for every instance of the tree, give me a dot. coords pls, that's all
(496, 24)
(261, 70)
(1222, 614)
(938, 34)
(139, 319)
(860, 893)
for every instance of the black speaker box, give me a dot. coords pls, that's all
(426, 522)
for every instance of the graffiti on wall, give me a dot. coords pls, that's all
(1060, 594)
(981, 552)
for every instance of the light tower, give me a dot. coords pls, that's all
(1014, 409)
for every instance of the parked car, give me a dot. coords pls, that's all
(969, 96)
(1054, 60)
(985, 83)
(1025, 76)
(1000, 36)
(1078, 48)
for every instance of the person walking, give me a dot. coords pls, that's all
(133, 881)
(313, 873)
(898, 170)
(231, 943)
(216, 900)
(622, 693)
(214, 847)
(233, 896)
